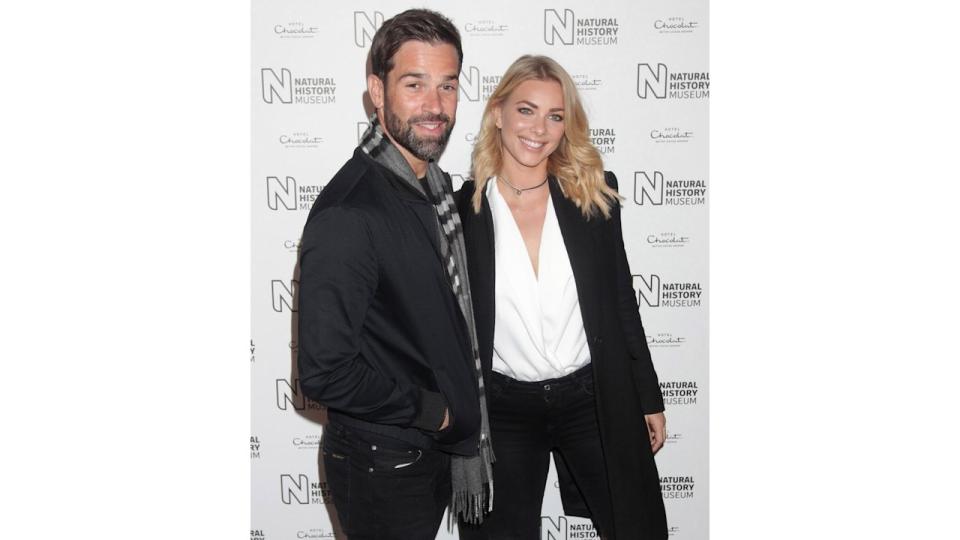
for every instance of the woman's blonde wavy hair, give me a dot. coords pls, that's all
(576, 163)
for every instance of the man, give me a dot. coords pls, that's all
(387, 339)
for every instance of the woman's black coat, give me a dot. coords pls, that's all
(625, 382)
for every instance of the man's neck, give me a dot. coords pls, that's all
(419, 167)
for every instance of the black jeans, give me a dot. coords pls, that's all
(527, 421)
(384, 488)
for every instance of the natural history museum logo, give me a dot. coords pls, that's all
(563, 27)
(604, 139)
(565, 528)
(678, 393)
(475, 85)
(658, 81)
(301, 489)
(652, 291)
(677, 487)
(285, 194)
(281, 86)
(653, 188)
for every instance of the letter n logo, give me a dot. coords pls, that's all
(654, 82)
(555, 27)
(281, 192)
(272, 86)
(291, 489)
(281, 295)
(553, 530)
(470, 84)
(365, 27)
(289, 394)
(648, 291)
(647, 189)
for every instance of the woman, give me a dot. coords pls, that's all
(564, 356)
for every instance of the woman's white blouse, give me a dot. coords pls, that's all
(538, 332)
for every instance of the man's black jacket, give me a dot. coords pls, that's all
(382, 342)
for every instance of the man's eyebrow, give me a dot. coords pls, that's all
(420, 75)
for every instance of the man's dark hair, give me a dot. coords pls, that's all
(411, 25)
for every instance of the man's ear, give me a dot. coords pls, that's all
(375, 89)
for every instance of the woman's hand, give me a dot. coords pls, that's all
(657, 426)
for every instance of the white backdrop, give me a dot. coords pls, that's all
(642, 69)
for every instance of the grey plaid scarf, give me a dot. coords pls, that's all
(470, 474)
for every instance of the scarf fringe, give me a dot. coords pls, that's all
(471, 505)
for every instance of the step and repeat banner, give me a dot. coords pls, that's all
(642, 69)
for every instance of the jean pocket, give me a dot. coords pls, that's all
(335, 446)
(386, 459)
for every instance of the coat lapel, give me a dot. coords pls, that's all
(478, 235)
(426, 214)
(427, 217)
(581, 240)
(416, 203)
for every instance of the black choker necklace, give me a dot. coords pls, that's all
(519, 191)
